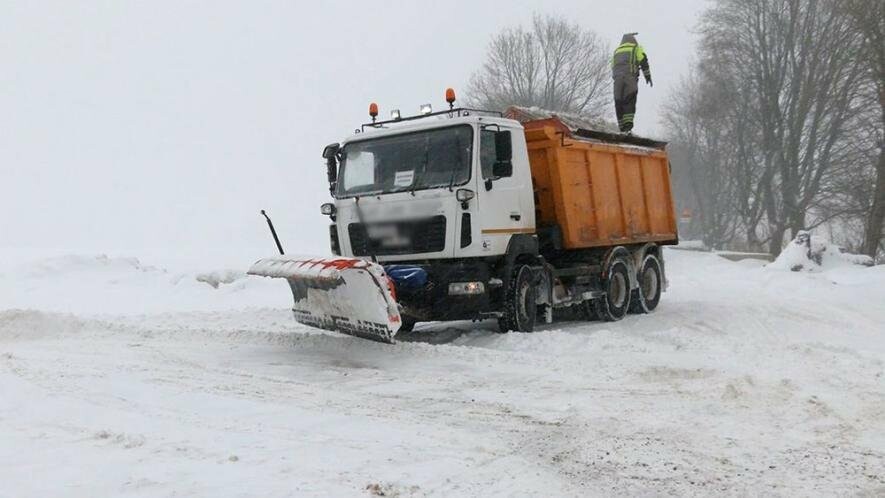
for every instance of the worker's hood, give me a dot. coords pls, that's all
(629, 38)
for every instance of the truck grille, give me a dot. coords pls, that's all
(404, 237)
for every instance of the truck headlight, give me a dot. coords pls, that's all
(466, 288)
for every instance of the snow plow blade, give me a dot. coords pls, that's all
(347, 295)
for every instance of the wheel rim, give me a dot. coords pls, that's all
(617, 290)
(649, 283)
(523, 312)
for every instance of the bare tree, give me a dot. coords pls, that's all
(701, 161)
(868, 18)
(726, 97)
(788, 80)
(554, 65)
(801, 56)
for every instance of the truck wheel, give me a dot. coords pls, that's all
(616, 302)
(520, 307)
(647, 296)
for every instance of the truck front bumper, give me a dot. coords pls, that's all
(433, 300)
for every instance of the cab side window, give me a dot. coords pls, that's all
(487, 156)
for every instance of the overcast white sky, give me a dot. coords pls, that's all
(144, 127)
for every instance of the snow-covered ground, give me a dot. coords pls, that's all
(122, 379)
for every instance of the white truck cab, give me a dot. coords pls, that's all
(430, 189)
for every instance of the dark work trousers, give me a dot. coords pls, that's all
(626, 90)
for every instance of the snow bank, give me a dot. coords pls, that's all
(29, 324)
(217, 278)
(98, 284)
(815, 254)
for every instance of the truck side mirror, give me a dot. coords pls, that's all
(503, 146)
(502, 169)
(503, 154)
(330, 153)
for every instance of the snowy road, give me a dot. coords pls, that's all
(745, 381)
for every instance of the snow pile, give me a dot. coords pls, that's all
(29, 324)
(218, 278)
(815, 254)
(100, 284)
(77, 264)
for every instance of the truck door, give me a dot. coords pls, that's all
(505, 206)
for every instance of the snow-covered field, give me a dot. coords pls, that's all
(122, 379)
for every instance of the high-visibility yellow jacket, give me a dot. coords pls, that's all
(629, 58)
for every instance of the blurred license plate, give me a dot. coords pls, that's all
(381, 231)
(397, 241)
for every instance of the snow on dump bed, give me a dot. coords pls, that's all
(102, 284)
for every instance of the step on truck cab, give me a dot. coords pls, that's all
(474, 215)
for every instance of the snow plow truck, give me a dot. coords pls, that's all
(466, 214)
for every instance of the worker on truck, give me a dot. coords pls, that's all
(628, 59)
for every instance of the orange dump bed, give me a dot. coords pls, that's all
(600, 194)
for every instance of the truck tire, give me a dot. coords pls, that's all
(616, 302)
(647, 296)
(520, 306)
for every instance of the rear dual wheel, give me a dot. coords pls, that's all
(648, 294)
(616, 302)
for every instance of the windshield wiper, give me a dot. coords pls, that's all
(452, 179)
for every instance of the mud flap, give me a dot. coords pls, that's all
(347, 295)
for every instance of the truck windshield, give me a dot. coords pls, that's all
(411, 161)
